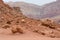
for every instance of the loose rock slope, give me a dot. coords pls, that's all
(13, 19)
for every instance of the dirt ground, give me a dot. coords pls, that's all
(7, 35)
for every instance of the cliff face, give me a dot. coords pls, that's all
(29, 10)
(50, 10)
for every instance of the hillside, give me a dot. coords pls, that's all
(16, 26)
(50, 10)
(30, 10)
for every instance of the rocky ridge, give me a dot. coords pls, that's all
(50, 10)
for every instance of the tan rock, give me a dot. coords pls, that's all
(17, 29)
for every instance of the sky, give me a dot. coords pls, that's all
(37, 2)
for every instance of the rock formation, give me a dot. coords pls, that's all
(18, 23)
(50, 10)
(7, 15)
(1, 1)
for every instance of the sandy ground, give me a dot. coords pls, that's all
(7, 35)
